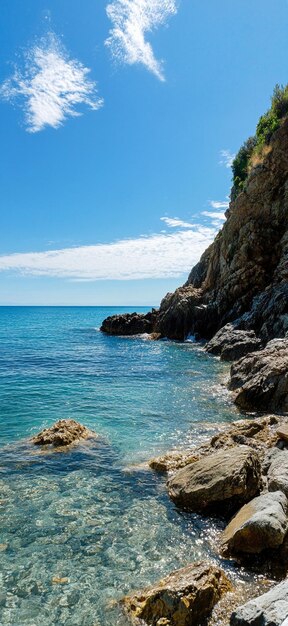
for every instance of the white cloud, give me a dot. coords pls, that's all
(227, 158)
(50, 86)
(175, 222)
(157, 256)
(223, 204)
(214, 215)
(131, 20)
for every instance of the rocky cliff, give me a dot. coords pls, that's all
(242, 276)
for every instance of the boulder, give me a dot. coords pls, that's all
(129, 323)
(184, 598)
(62, 433)
(231, 344)
(282, 432)
(270, 609)
(259, 525)
(260, 379)
(226, 479)
(270, 455)
(277, 476)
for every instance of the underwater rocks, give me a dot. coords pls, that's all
(129, 324)
(231, 344)
(225, 480)
(172, 461)
(259, 525)
(260, 379)
(63, 433)
(184, 598)
(270, 609)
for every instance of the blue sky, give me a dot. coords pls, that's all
(115, 204)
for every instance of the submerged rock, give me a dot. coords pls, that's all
(231, 343)
(184, 598)
(62, 433)
(270, 609)
(259, 525)
(173, 460)
(129, 323)
(260, 379)
(224, 480)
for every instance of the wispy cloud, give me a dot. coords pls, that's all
(50, 86)
(155, 256)
(223, 204)
(227, 158)
(132, 20)
(214, 215)
(175, 222)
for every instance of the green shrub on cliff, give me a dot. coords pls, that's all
(254, 147)
(241, 163)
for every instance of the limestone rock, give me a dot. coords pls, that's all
(270, 609)
(259, 525)
(278, 473)
(231, 344)
(225, 480)
(63, 433)
(184, 598)
(260, 379)
(129, 324)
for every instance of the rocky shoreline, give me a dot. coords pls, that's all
(236, 298)
(240, 475)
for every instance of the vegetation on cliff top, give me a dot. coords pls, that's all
(255, 147)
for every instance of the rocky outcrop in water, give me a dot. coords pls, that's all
(129, 324)
(260, 379)
(62, 434)
(224, 480)
(184, 598)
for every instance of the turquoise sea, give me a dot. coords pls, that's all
(95, 516)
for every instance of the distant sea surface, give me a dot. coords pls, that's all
(83, 528)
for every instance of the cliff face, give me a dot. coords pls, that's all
(243, 276)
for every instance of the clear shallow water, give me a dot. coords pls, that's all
(94, 516)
